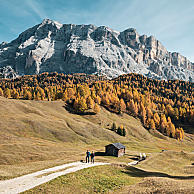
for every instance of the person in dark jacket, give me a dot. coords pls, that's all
(92, 157)
(87, 156)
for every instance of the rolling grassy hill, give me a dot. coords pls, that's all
(46, 133)
(39, 134)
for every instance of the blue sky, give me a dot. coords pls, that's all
(170, 21)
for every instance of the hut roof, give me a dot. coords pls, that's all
(117, 145)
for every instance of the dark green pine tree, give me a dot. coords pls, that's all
(124, 132)
(119, 131)
(114, 127)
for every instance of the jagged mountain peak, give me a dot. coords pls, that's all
(70, 48)
(131, 31)
(51, 22)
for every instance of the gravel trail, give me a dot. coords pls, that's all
(26, 182)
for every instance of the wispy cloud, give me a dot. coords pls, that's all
(171, 22)
(36, 8)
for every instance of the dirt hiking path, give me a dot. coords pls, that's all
(26, 182)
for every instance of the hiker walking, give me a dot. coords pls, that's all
(87, 156)
(92, 157)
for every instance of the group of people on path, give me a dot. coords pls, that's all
(90, 155)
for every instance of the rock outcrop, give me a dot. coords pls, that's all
(7, 72)
(51, 46)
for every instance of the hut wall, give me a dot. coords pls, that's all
(111, 151)
(121, 152)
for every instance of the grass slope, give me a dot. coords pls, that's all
(99, 179)
(38, 134)
(154, 175)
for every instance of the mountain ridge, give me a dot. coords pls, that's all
(69, 48)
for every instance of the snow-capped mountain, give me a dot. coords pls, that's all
(68, 48)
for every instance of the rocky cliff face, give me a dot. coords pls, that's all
(7, 72)
(51, 46)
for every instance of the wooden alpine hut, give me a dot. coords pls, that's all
(115, 149)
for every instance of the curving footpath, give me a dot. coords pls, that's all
(26, 182)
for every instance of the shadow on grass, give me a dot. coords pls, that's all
(100, 154)
(70, 109)
(136, 172)
(132, 157)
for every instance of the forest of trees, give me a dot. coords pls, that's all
(161, 105)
